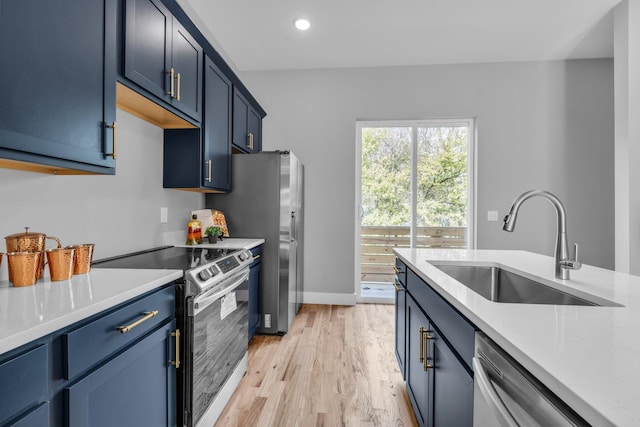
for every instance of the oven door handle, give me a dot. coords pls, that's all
(206, 299)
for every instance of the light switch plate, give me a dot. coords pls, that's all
(164, 215)
(492, 215)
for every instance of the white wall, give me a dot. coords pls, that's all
(118, 213)
(627, 139)
(546, 125)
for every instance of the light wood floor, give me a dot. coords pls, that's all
(336, 367)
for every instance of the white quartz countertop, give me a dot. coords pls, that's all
(31, 312)
(587, 355)
(229, 243)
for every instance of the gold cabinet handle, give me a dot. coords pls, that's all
(421, 349)
(113, 153)
(250, 138)
(147, 315)
(178, 92)
(176, 362)
(208, 179)
(396, 269)
(425, 341)
(396, 287)
(171, 78)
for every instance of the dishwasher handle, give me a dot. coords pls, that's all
(490, 396)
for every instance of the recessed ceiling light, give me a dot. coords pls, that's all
(302, 24)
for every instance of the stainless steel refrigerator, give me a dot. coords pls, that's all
(266, 201)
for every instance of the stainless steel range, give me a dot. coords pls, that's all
(212, 314)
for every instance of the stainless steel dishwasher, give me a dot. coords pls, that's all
(506, 395)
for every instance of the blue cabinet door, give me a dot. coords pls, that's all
(200, 159)
(136, 388)
(419, 363)
(186, 60)
(147, 41)
(247, 125)
(400, 326)
(217, 129)
(161, 57)
(58, 82)
(452, 387)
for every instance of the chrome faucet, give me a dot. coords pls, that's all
(562, 261)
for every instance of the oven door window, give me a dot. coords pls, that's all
(219, 343)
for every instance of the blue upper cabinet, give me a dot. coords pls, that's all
(200, 159)
(247, 125)
(58, 78)
(161, 57)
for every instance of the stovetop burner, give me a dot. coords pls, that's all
(204, 268)
(166, 258)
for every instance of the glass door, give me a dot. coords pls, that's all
(414, 190)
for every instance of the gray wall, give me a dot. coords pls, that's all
(118, 213)
(546, 125)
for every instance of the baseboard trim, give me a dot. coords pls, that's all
(328, 299)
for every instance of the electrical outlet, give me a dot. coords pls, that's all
(164, 215)
(492, 215)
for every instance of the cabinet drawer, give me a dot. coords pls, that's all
(97, 340)
(23, 381)
(401, 272)
(453, 326)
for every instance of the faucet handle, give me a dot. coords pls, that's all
(572, 264)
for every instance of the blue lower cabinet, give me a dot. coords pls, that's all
(136, 388)
(23, 383)
(254, 298)
(255, 280)
(452, 387)
(419, 364)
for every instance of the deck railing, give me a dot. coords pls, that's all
(377, 243)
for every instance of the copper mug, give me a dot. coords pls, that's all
(60, 262)
(30, 242)
(23, 267)
(83, 257)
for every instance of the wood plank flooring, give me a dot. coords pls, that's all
(335, 367)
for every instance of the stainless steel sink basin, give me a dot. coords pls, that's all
(499, 285)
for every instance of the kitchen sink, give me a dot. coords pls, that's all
(499, 285)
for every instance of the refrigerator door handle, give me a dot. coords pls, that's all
(294, 233)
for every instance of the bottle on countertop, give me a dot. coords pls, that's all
(194, 231)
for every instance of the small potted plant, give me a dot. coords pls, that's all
(212, 233)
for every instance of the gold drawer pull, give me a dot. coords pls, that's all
(171, 92)
(147, 315)
(208, 179)
(396, 287)
(425, 341)
(421, 349)
(178, 92)
(176, 362)
(113, 153)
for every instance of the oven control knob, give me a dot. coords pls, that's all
(243, 256)
(213, 270)
(205, 274)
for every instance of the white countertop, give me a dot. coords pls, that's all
(228, 243)
(588, 356)
(31, 312)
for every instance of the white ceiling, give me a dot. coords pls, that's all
(259, 34)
